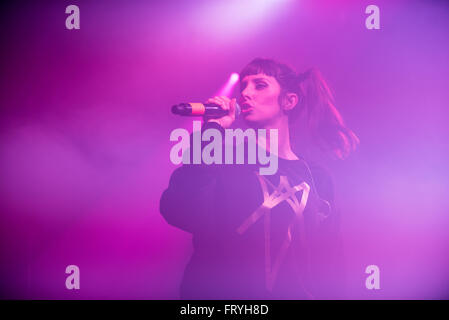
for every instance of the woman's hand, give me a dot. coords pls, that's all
(227, 104)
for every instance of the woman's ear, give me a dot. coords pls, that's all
(290, 100)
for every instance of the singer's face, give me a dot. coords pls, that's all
(259, 99)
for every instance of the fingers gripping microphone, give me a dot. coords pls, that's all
(210, 110)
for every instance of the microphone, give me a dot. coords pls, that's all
(194, 109)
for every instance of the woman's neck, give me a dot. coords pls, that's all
(284, 148)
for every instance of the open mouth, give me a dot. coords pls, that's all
(246, 108)
(246, 111)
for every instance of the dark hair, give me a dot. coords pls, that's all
(316, 126)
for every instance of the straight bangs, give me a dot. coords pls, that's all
(285, 75)
(258, 65)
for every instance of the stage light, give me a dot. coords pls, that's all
(235, 19)
(234, 77)
(226, 89)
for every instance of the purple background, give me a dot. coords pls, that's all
(85, 125)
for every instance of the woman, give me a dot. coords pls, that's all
(266, 237)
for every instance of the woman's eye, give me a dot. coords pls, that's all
(260, 86)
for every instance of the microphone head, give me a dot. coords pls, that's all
(175, 109)
(179, 108)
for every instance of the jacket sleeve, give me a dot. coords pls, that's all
(188, 202)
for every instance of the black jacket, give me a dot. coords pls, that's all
(282, 254)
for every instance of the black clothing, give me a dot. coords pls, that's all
(213, 201)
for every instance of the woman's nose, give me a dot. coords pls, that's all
(244, 98)
(246, 94)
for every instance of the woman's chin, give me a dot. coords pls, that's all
(249, 118)
(252, 121)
